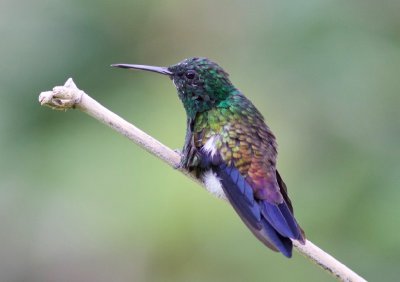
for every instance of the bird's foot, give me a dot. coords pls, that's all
(179, 152)
(180, 165)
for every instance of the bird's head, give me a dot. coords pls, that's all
(201, 83)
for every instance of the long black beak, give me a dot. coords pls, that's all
(162, 70)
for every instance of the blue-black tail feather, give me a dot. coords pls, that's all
(283, 244)
(280, 217)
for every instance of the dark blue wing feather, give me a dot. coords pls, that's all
(274, 229)
(250, 211)
(273, 224)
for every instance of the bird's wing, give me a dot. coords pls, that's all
(251, 211)
(242, 155)
(273, 224)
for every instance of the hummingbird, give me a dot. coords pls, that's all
(229, 146)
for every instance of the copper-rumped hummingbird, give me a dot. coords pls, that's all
(231, 148)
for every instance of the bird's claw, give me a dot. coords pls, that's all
(179, 152)
(180, 165)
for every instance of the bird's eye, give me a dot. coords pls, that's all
(190, 74)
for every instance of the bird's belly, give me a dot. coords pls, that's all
(213, 184)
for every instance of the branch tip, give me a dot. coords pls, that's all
(62, 97)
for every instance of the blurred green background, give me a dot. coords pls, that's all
(79, 202)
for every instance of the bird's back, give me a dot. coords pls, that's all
(239, 147)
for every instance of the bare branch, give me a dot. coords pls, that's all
(69, 96)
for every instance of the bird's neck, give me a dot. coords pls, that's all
(199, 102)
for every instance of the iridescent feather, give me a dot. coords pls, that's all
(237, 145)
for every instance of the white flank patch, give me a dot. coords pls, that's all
(213, 185)
(210, 146)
